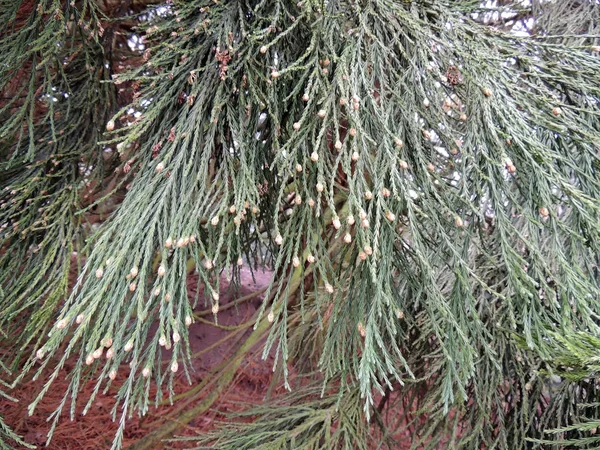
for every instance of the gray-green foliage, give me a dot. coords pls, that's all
(8, 438)
(303, 420)
(436, 175)
(51, 104)
(51, 73)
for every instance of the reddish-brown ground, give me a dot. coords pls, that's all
(210, 346)
(96, 429)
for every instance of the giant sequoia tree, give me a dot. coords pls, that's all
(421, 176)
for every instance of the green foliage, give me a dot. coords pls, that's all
(306, 421)
(8, 438)
(53, 71)
(422, 181)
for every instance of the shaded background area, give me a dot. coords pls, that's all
(210, 345)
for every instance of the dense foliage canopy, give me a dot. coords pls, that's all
(421, 176)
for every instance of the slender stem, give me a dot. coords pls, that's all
(232, 304)
(220, 383)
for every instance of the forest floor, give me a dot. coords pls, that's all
(209, 345)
